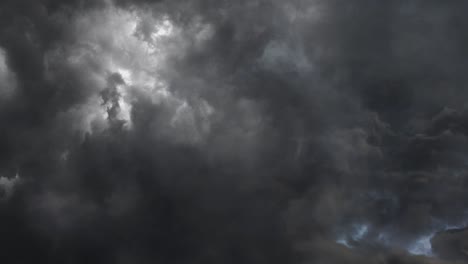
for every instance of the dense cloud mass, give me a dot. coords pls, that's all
(249, 131)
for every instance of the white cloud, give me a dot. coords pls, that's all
(136, 44)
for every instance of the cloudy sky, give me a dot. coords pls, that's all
(247, 131)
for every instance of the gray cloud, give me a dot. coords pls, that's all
(249, 131)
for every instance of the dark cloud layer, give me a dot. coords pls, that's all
(299, 131)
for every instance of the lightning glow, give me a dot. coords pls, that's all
(135, 45)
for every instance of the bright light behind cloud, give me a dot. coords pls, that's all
(358, 232)
(136, 45)
(422, 246)
(419, 245)
(7, 78)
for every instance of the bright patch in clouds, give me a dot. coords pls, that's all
(135, 45)
(7, 186)
(422, 246)
(163, 29)
(358, 232)
(7, 78)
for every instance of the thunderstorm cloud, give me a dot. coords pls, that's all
(248, 131)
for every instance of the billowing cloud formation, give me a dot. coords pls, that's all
(225, 132)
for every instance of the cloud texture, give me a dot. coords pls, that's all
(298, 131)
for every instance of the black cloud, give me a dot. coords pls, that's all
(225, 132)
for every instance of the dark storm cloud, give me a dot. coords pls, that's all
(217, 131)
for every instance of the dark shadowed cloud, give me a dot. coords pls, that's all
(298, 131)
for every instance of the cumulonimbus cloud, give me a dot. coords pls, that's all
(249, 131)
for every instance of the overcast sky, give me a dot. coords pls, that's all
(222, 131)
